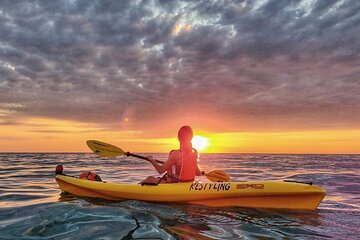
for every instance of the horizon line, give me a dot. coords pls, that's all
(257, 153)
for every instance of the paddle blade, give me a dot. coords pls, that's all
(218, 176)
(104, 149)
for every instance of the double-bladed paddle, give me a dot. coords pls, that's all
(107, 150)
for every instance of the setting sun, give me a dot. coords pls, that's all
(199, 142)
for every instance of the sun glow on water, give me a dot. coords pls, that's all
(199, 142)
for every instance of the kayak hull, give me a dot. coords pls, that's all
(255, 194)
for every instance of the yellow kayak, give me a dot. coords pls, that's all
(254, 194)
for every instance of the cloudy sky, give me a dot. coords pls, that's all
(146, 67)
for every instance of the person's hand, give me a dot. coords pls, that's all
(150, 158)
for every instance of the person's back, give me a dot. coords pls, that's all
(181, 165)
(184, 169)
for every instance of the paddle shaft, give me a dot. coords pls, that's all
(145, 158)
(141, 157)
(107, 150)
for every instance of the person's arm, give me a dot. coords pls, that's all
(161, 168)
(198, 171)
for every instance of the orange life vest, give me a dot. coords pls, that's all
(187, 171)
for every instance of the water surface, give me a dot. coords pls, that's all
(33, 207)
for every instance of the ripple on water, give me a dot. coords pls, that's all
(31, 206)
(62, 221)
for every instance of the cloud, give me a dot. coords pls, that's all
(269, 63)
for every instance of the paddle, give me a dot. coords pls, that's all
(107, 150)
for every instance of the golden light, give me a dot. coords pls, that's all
(199, 142)
(180, 28)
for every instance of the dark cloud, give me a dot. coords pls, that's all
(270, 63)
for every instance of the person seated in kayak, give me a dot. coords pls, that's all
(181, 165)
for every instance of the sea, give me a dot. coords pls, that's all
(33, 207)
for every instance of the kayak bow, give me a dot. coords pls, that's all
(255, 194)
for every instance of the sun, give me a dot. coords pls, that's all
(199, 142)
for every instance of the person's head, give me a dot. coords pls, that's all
(185, 135)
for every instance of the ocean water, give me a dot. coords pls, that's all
(33, 207)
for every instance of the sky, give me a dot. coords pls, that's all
(267, 76)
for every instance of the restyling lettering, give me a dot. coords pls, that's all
(220, 186)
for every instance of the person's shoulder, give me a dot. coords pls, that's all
(175, 153)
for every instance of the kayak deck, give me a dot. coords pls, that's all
(255, 194)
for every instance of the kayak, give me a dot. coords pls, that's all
(254, 194)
